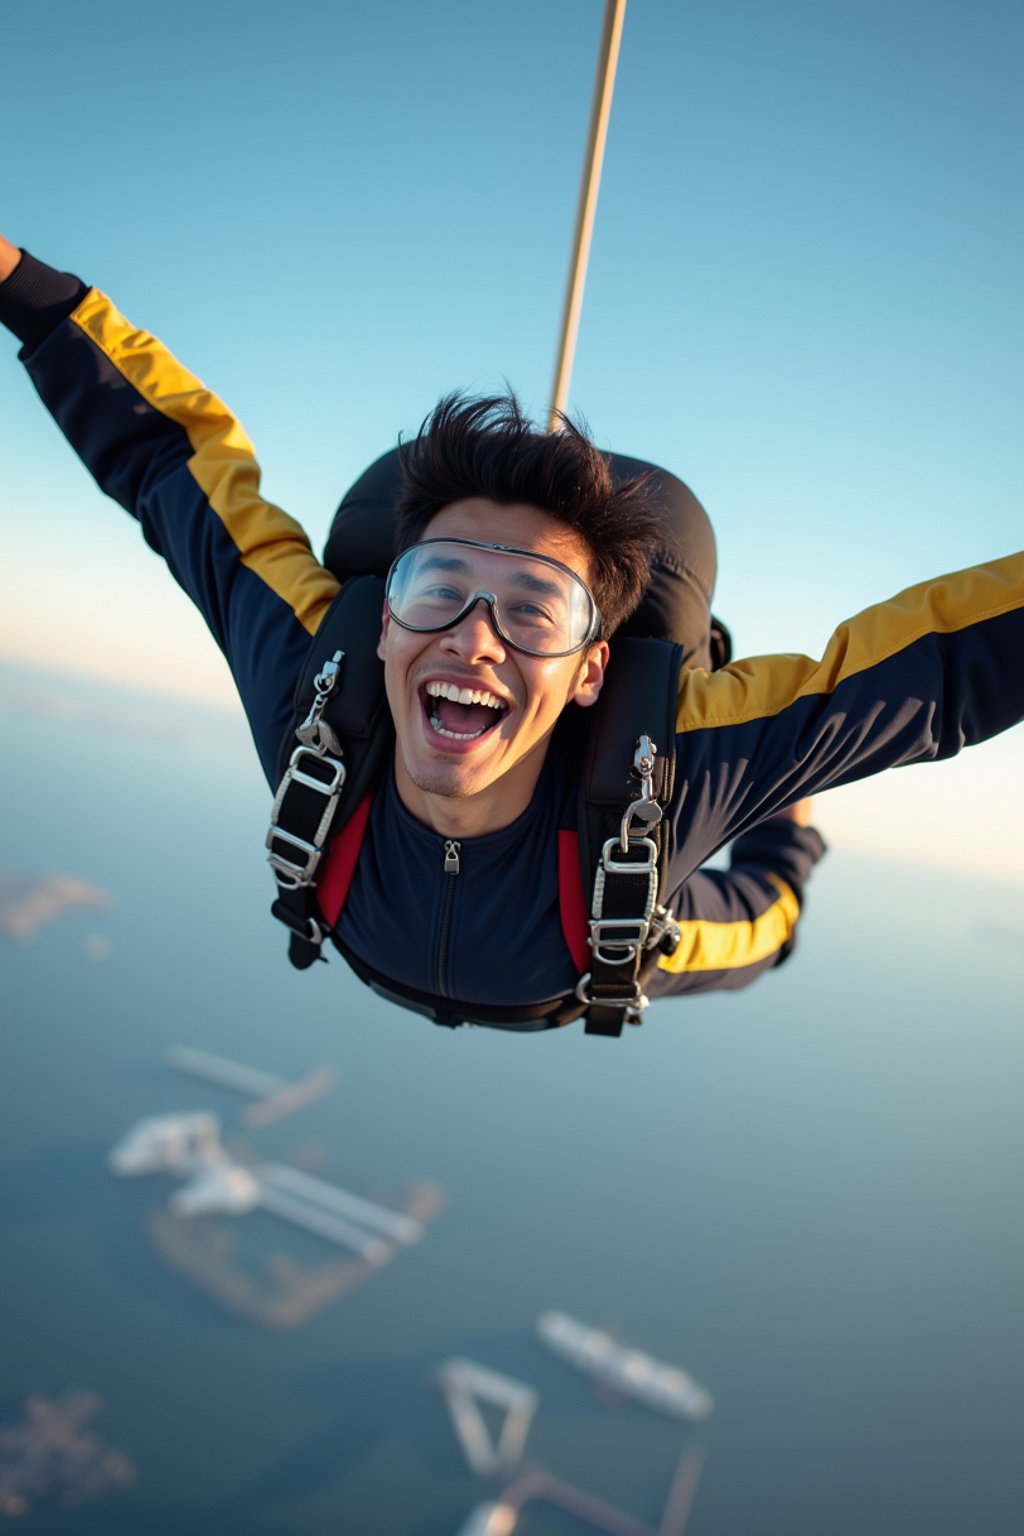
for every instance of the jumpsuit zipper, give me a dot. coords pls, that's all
(452, 867)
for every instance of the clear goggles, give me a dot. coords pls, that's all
(536, 604)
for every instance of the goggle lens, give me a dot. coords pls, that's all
(537, 604)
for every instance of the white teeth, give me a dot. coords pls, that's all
(455, 735)
(463, 695)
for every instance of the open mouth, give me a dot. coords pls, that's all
(461, 714)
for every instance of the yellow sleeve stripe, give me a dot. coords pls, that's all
(272, 545)
(766, 685)
(728, 946)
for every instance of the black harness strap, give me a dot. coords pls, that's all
(626, 779)
(344, 742)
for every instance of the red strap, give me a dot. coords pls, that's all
(340, 863)
(571, 900)
(340, 866)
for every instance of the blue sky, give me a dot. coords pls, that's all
(804, 292)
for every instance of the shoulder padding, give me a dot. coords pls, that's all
(640, 691)
(357, 709)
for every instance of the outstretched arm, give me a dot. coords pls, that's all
(935, 669)
(161, 444)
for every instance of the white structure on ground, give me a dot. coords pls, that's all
(273, 1096)
(314, 1218)
(189, 1146)
(665, 1388)
(293, 1181)
(465, 1386)
(221, 1188)
(227, 1074)
(176, 1143)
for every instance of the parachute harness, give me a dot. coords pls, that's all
(336, 754)
(314, 778)
(625, 918)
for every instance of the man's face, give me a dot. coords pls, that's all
(452, 779)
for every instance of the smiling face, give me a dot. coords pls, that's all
(469, 770)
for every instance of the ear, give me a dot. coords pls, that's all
(385, 625)
(591, 675)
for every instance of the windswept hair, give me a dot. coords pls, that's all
(485, 446)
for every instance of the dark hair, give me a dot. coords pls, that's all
(487, 447)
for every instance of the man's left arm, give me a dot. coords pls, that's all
(937, 668)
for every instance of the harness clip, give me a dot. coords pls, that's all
(315, 733)
(645, 808)
(632, 1007)
(641, 866)
(615, 940)
(289, 872)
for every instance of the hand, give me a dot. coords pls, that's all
(9, 258)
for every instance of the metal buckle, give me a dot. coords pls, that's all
(316, 934)
(289, 875)
(632, 1007)
(616, 866)
(664, 932)
(294, 775)
(287, 872)
(632, 933)
(626, 866)
(302, 927)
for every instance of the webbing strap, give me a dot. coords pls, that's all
(625, 894)
(627, 778)
(343, 732)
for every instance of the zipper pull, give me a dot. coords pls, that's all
(451, 857)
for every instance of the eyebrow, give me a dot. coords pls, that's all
(525, 579)
(536, 584)
(444, 563)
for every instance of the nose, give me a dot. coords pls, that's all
(475, 637)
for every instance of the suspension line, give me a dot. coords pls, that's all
(608, 58)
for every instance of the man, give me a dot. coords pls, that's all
(455, 891)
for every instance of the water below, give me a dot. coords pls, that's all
(808, 1195)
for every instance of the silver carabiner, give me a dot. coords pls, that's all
(644, 809)
(314, 732)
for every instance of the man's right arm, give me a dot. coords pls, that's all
(173, 456)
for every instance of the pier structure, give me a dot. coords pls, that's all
(226, 1074)
(378, 1218)
(679, 1504)
(465, 1386)
(539, 1487)
(274, 1096)
(293, 1096)
(324, 1223)
(217, 1185)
